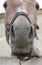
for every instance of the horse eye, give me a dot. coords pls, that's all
(5, 5)
(37, 6)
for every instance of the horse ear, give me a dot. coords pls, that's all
(5, 4)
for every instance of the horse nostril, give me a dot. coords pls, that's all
(12, 28)
(31, 31)
(12, 31)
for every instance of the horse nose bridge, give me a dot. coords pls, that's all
(22, 9)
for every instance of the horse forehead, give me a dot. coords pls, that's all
(20, 1)
(16, 1)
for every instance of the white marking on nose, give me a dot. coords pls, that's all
(20, 9)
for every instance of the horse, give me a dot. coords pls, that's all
(20, 26)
